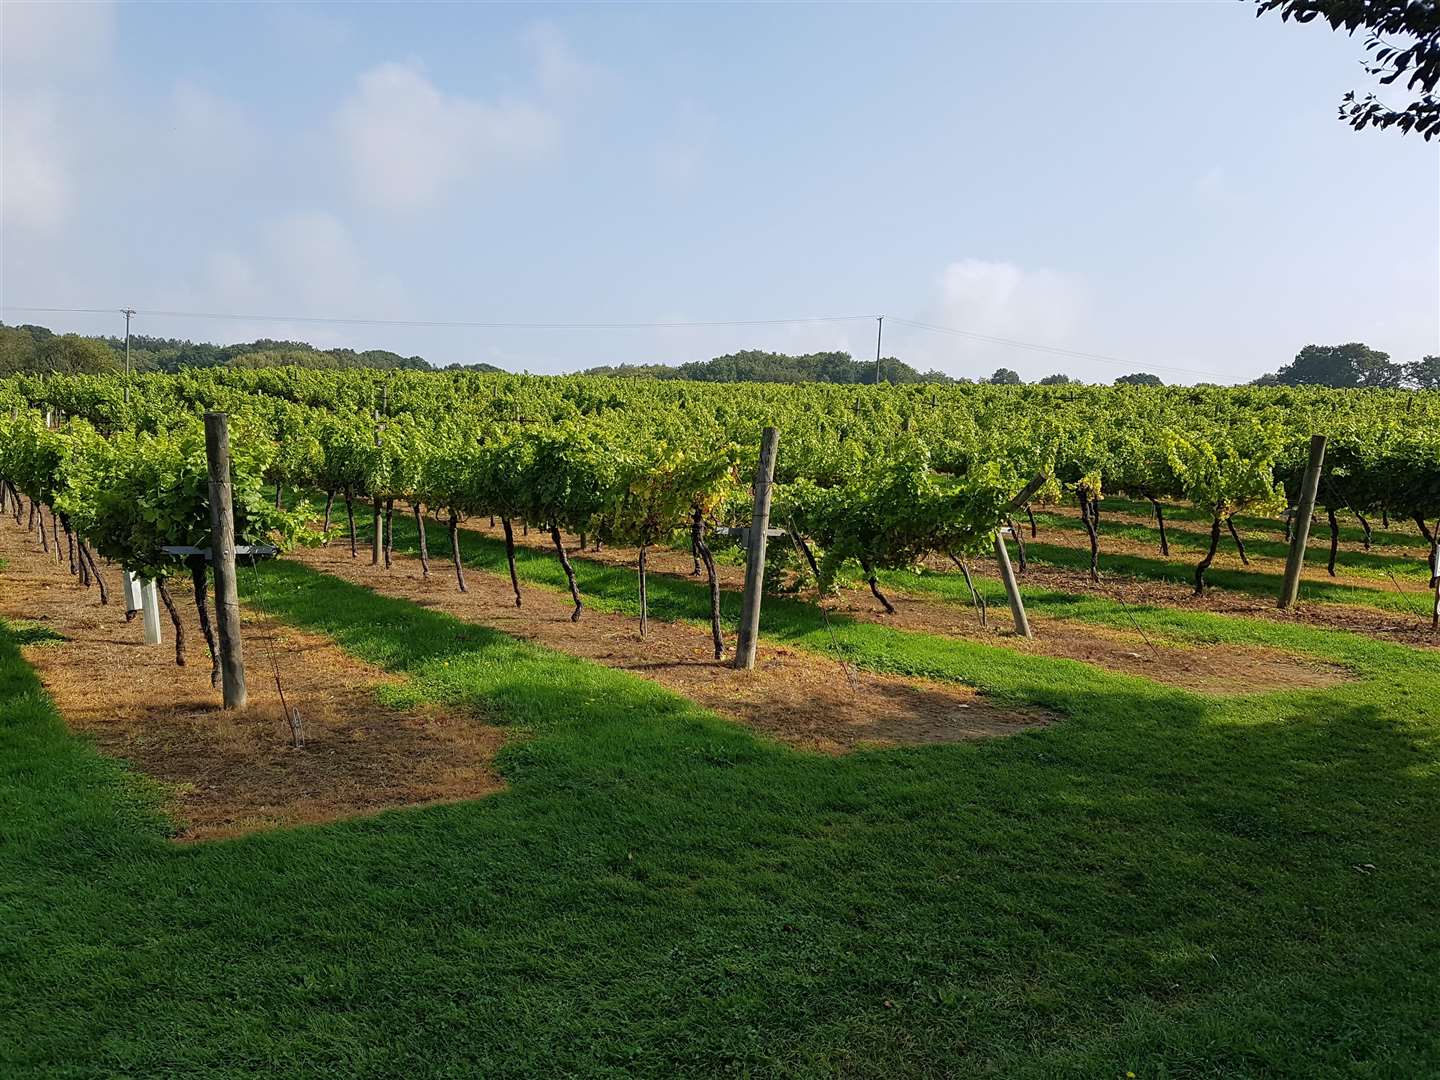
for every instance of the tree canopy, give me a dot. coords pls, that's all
(753, 365)
(1139, 378)
(1353, 364)
(1403, 50)
(36, 349)
(1424, 374)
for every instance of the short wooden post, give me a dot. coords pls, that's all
(1435, 575)
(1012, 588)
(150, 611)
(755, 553)
(1295, 561)
(222, 559)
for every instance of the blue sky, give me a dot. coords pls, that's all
(1166, 184)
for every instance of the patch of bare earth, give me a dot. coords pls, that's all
(1226, 556)
(236, 772)
(1373, 622)
(1211, 668)
(1218, 669)
(803, 699)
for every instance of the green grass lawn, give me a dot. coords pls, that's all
(1162, 883)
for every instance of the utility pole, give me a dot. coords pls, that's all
(222, 556)
(127, 312)
(879, 331)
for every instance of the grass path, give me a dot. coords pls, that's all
(1163, 884)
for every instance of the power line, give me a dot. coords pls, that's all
(1033, 346)
(1054, 350)
(447, 324)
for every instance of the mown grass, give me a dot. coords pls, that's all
(1165, 884)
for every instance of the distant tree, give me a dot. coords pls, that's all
(478, 366)
(35, 349)
(1354, 364)
(1005, 377)
(1140, 378)
(1057, 380)
(754, 365)
(20, 348)
(1424, 373)
(1403, 43)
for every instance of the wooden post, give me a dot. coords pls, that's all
(755, 553)
(151, 612)
(1012, 588)
(1300, 536)
(1435, 575)
(222, 557)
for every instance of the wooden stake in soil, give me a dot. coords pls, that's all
(755, 553)
(1012, 587)
(222, 545)
(1300, 536)
(424, 547)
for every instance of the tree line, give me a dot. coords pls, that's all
(28, 349)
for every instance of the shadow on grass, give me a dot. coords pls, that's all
(1158, 881)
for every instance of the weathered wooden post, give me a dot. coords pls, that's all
(1002, 555)
(755, 553)
(222, 546)
(1435, 575)
(1295, 561)
(1012, 587)
(150, 611)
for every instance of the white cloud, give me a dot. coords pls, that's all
(561, 75)
(210, 132)
(55, 39)
(996, 299)
(1003, 300)
(301, 264)
(47, 52)
(407, 141)
(35, 187)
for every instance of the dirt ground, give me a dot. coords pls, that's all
(806, 700)
(1226, 556)
(232, 773)
(942, 617)
(1221, 669)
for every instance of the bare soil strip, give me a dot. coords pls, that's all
(1227, 558)
(1210, 668)
(803, 699)
(944, 617)
(233, 773)
(1213, 668)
